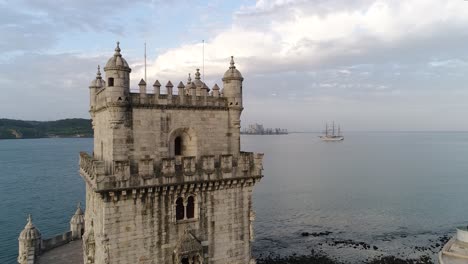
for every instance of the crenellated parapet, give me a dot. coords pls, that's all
(177, 170)
(159, 100)
(91, 166)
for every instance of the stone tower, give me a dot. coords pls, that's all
(167, 182)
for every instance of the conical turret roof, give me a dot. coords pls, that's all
(98, 82)
(117, 62)
(78, 217)
(30, 232)
(232, 73)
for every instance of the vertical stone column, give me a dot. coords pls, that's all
(181, 92)
(142, 86)
(215, 90)
(169, 87)
(204, 93)
(193, 92)
(157, 89)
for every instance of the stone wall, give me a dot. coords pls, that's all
(142, 228)
(56, 241)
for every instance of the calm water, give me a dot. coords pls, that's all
(396, 191)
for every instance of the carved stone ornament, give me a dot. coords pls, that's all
(89, 245)
(188, 246)
(189, 165)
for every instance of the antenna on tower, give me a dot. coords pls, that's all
(145, 63)
(203, 64)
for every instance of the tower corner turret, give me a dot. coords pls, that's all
(117, 76)
(29, 242)
(77, 223)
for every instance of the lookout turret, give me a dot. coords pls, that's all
(232, 90)
(77, 223)
(29, 242)
(117, 76)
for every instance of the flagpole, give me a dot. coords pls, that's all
(145, 62)
(203, 58)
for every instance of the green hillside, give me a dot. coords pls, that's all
(75, 127)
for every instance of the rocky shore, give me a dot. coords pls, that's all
(324, 246)
(320, 258)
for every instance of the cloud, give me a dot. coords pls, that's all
(38, 25)
(299, 36)
(47, 86)
(301, 59)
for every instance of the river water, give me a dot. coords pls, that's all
(374, 193)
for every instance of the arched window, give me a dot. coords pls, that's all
(190, 207)
(185, 260)
(178, 146)
(180, 209)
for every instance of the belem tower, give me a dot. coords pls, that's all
(166, 182)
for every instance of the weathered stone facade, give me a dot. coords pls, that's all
(167, 182)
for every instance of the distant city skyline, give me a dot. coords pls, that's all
(369, 65)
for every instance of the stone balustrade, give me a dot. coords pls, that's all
(171, 171)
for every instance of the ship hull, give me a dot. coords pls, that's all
(324, 138)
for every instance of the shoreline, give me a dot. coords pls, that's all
(46, 137)
(322, 258)
(325, 248)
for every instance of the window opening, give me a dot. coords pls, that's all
(180, 209)
(178, 146)
(190, 207)
(111, 82)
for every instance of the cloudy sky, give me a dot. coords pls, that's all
(369, 65)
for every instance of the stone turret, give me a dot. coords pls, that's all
(117, 100)
(232, 91)
(117, 76)
(95, 85)
(77, 223)
(29, 242)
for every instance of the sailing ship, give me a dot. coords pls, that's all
(331, 134)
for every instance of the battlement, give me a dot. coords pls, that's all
(195, 97)
(170, 171)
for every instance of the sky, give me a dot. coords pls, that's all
(376, 65)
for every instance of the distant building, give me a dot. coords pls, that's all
(258, 129)
(167, 181)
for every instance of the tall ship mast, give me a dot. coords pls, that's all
(331, 135)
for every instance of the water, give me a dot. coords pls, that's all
(395, 191)
(38, 176)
